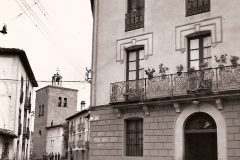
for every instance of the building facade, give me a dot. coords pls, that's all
(79, 134)
(16, 87)
(165, 80)
(54, 104)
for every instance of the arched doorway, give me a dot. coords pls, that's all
(200, 137)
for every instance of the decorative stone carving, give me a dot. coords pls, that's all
(176, 105)
(145, 39)
(118, 112)
(219, 104)
(214, 25)
(146, 110)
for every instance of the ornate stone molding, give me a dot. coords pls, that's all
(146, 110)
(214, 25)
(176, 105)
(146, 40)
(118, 112)
(219, 104)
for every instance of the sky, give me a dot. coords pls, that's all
(54, 34)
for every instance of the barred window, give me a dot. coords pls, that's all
(59, 101)
(194, 7)
(134, 137)
(42, 110)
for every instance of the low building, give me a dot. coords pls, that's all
(17, 82)
(78, 137)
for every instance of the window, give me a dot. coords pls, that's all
(42, 110)
(65, 102)
(134, 19)
(134, 137)
(135, 68)
(199, 50)
(59, 101)
(21, 91)
(194, 7)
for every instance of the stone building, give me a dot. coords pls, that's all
(54, 104)
(78, 137)
(165, 80)
(17, 83)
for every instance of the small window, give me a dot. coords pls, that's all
(59, 101)
(65, 102)
(134, 137)
(40, 133)
(194, 7)
(40, 110)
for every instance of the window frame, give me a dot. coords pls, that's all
(139, 145)
(136, 49)
(201, 48)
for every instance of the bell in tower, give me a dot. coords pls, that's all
(57, 79)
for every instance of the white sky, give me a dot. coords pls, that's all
(67, 24)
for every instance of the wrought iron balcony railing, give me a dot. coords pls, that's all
(87, 144)
(27, 104)
(81, 127)
(26, 132)
(197, 6)
(80, 144)
(134, 19)
(213, 80)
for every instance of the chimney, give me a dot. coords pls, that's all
(82, 105)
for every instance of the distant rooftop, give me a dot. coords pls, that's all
(23, 57)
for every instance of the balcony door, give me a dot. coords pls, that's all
(135, 70)
(199, 50)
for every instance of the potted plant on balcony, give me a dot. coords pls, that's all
(163, 70)
(149, 73)
(179, 69)
(234, 60)
(221, 60)
(203, 66)
(191, 70)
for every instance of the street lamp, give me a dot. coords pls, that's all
(4, 30)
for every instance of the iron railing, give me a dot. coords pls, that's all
(211, 80)
(26, 132)
(80, 144)
(197, 6)
(27, 104)
(134, 19)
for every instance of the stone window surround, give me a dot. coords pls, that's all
(221, 129)
(122, 44)
(212, 24)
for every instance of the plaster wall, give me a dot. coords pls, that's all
(161, 19)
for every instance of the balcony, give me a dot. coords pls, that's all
(80, 144)
(197, 7)
(27, 104)
(134, 19)
(26, 132)
(81, 127)
(73, 129)
(211, 81)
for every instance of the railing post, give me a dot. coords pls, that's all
(217, 89)
(145, 88)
